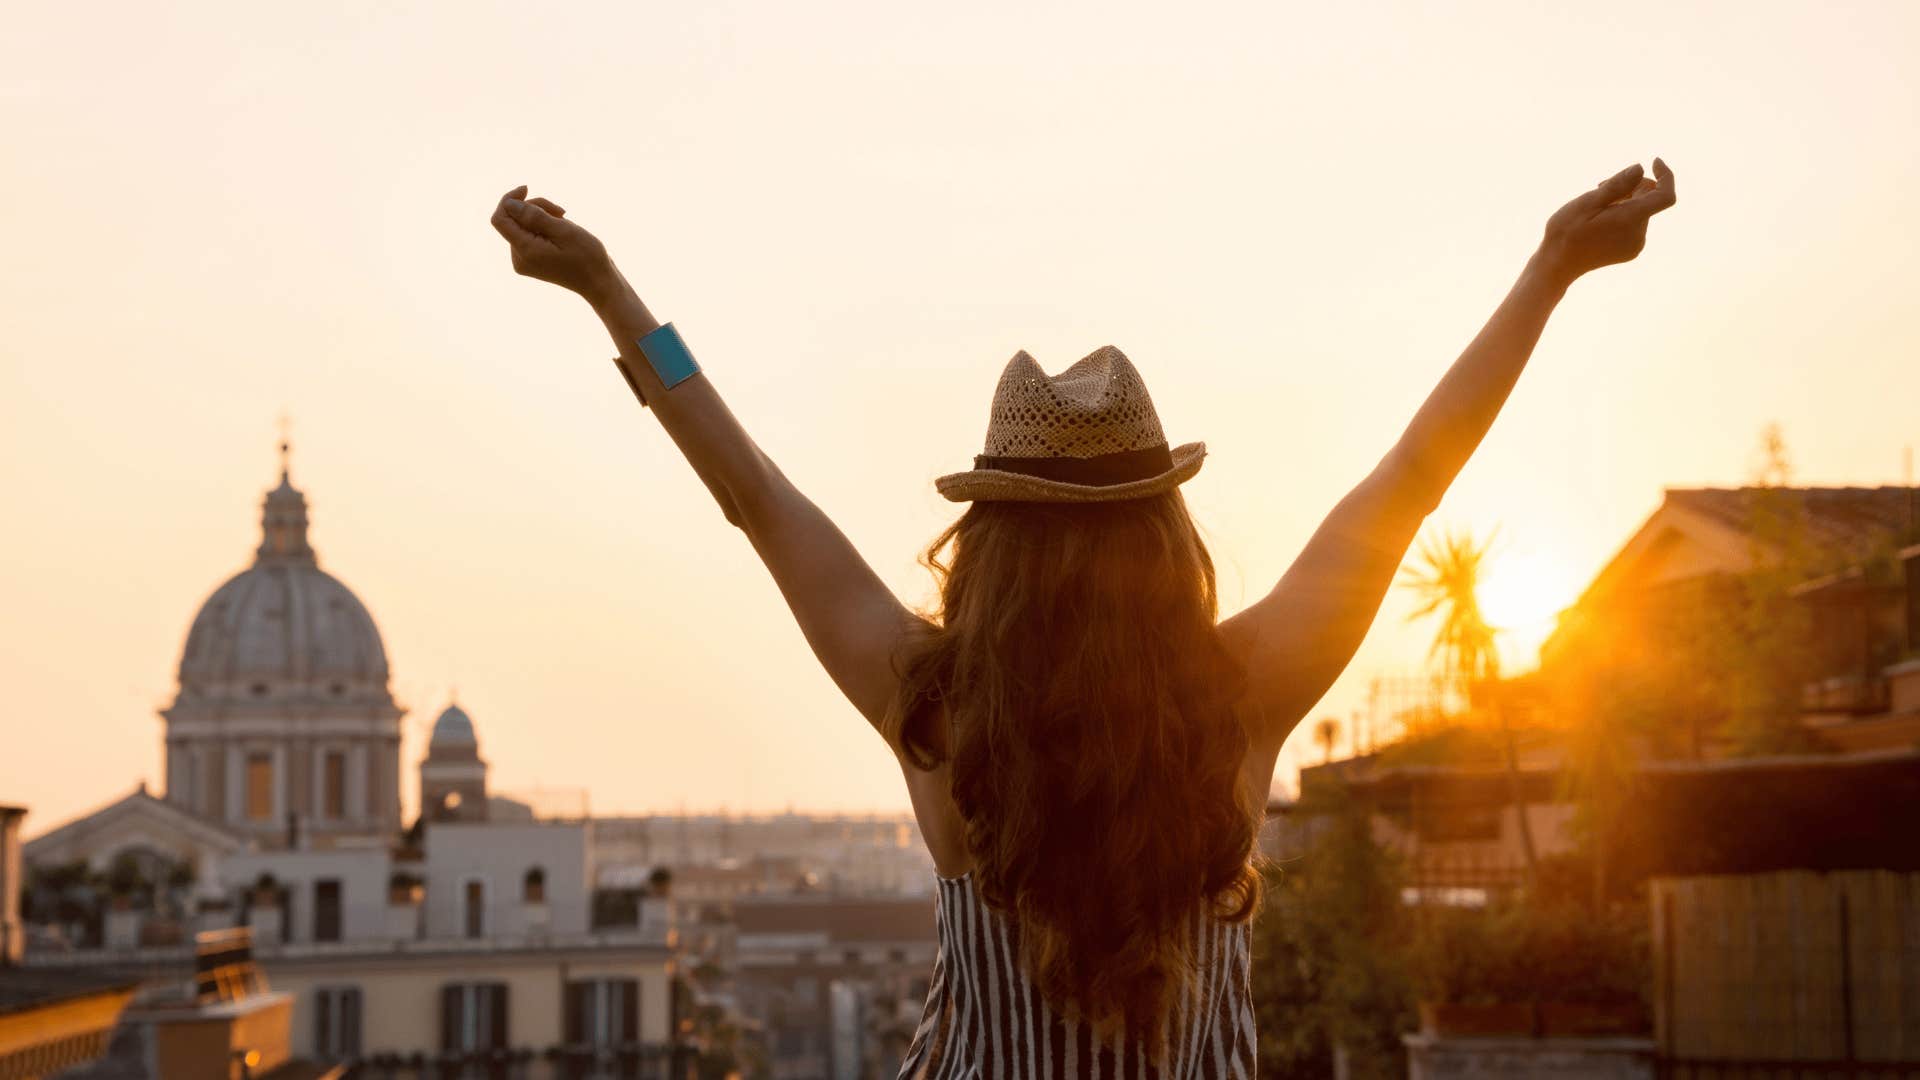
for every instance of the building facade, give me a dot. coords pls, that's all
(463, 946)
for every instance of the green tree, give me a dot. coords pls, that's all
(1328, 947)
(1763, 650)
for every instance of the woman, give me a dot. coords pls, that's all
(1087, 750)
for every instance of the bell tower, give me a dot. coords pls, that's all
(453, 776)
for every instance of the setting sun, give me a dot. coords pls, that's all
(1520, 596)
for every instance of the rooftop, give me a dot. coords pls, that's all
(23, 988)
(1850, 519)
(840, 919)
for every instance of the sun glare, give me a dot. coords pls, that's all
(1520, 596)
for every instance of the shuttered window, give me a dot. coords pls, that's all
(473, 1016)
(336, 1023)
(603, 1013)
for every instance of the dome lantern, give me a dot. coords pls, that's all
(283, 519)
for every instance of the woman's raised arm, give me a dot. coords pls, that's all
(1298, 638)
(850, 618)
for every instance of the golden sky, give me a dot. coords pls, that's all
(1290, 216)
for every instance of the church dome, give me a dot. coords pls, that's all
(283, 622)
(453, 728)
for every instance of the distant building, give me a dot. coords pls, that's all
(829, 978)
(848, 854)
(466, 945)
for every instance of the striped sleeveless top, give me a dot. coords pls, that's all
(984, 1020)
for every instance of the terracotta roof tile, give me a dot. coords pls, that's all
(1841, 520)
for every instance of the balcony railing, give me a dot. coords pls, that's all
(629, 1061)
(1858, 695)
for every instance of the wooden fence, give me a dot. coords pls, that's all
(1788, 973)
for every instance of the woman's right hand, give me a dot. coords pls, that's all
(545, 245)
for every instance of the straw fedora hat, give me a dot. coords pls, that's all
(1088, 434)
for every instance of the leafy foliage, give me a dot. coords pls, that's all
(1327, 954)
(1533, 951)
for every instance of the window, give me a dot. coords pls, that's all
(533, 889)
(326, 910)
(473, 1016)
(1461, 822)
(603, 1013)
(336, 1023)
(333, 786)
(475, 903)
(259, 787)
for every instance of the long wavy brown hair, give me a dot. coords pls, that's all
(1075, 678)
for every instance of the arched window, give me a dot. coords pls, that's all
(533, 887)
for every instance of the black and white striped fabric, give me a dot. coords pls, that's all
(984, 1021)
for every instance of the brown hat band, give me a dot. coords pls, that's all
(1100, 470)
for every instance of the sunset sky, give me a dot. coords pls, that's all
(1291, 217)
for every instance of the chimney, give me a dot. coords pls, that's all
(12, 933)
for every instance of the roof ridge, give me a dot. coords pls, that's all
(1792, 487)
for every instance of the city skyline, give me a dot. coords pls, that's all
(1290, 219)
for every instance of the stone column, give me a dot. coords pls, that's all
(359, 769)
(302, 799)
(213, 784)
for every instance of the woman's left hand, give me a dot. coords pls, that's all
(545, 245)
(1607, 224)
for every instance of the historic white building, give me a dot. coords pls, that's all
(283, 728)
(468, 941)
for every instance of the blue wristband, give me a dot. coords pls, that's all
(667, 354)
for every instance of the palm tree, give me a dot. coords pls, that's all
(1446, 579)
(1326, 731)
